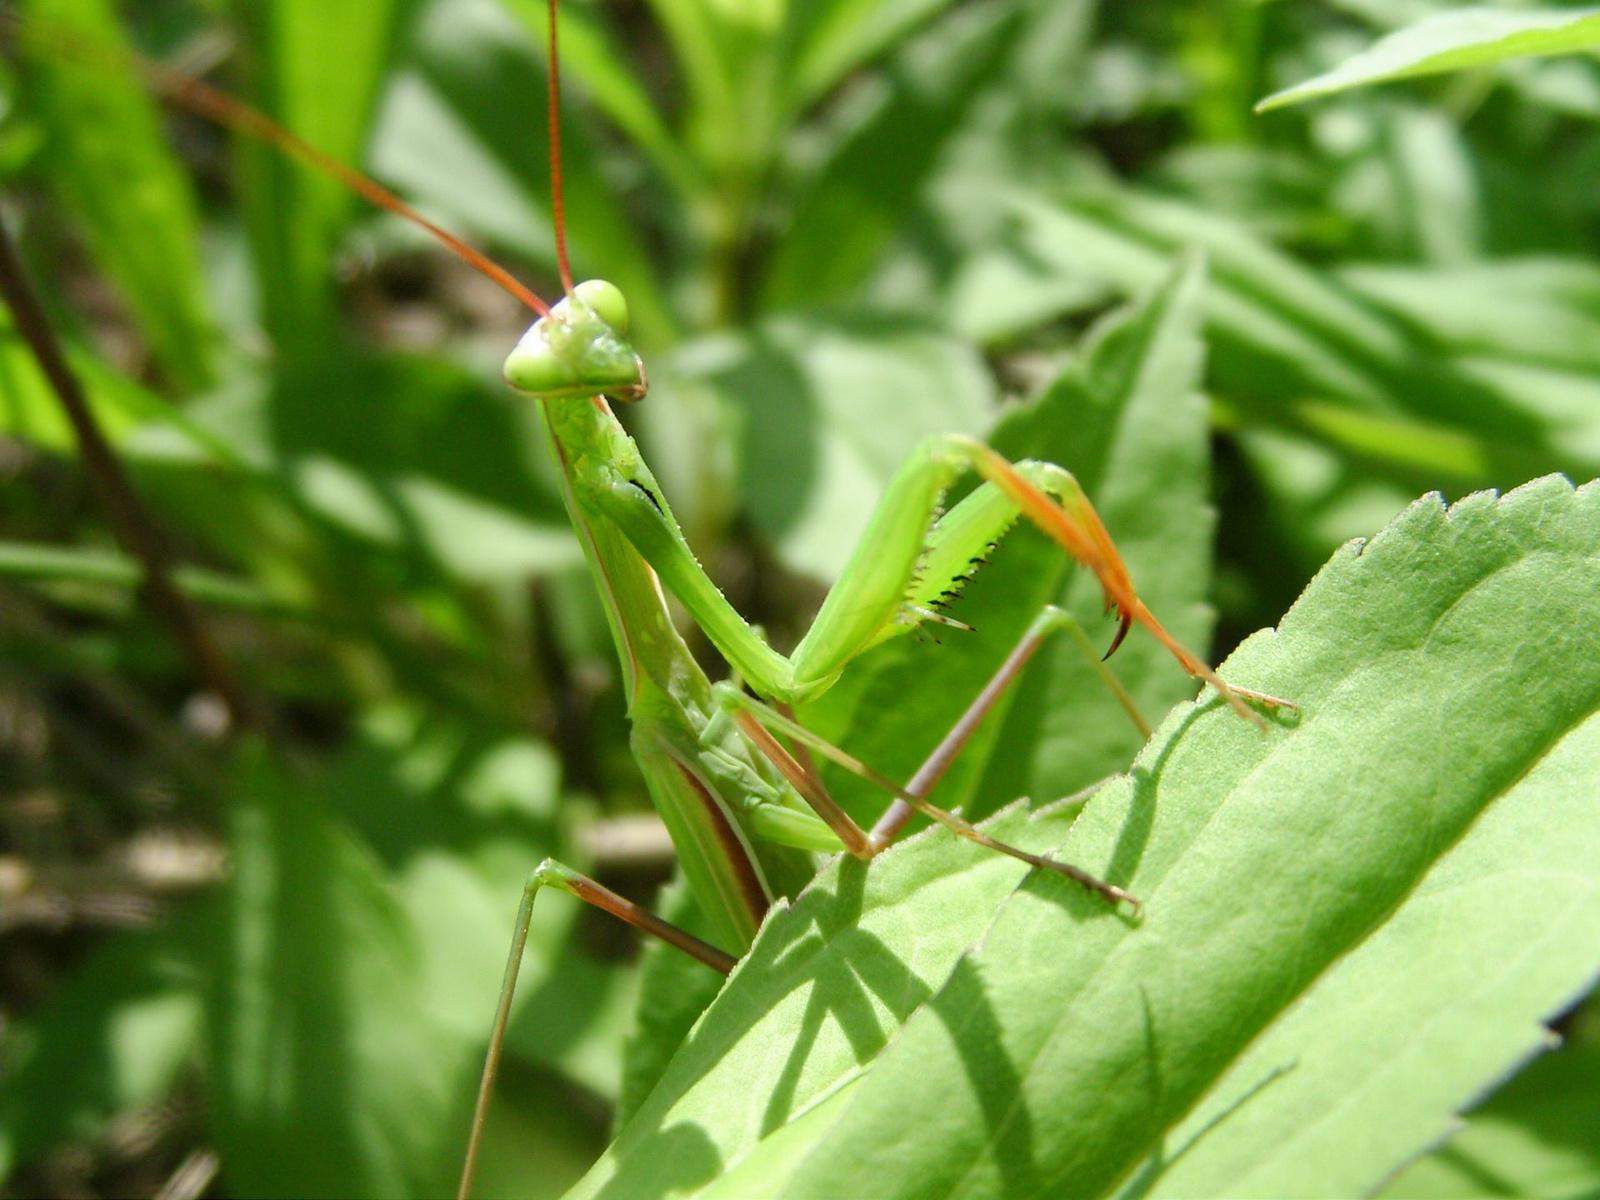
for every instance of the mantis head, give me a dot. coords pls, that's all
(580, 349)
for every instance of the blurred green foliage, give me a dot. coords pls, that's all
(841, 225)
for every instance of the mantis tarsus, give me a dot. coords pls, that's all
(746, 815)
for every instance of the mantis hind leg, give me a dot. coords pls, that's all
(757, 720)
(1049, 621)
(551, 874)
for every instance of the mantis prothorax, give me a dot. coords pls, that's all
(746, 816)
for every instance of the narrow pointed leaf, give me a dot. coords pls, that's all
(1453, 41)
(318, 69)
(112, 171)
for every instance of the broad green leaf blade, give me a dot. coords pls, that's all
(112, 171)
(31, 411)
(1538, 1136)
(1422, 842)
(457, 813)
(1276, 326)
(1451, 41)
(330, 1074)
(824, 988)
(1433, 199)
(417, 456)
(1532, 310)
(788, 1145)
(123, 408)
(1353, 1047)
(1127, 418)
(1140, 442)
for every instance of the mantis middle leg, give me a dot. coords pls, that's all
(757, 720)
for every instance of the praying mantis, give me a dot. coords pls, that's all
(736, 803)
(748, 816)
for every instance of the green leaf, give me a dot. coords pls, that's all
(1431, 205)
(1276, 326)
(824, 988)
(1296, 887)
(1538, 1136)
(1452, 41)
(861, 199)
(829, 40)
(725, 55)
(674, 990)
(317, 69)
(1352, 925)
(464, 134)
(460, 814)
(137, 421)
(411, 454)
(66, 564)
(1288, 341)
(590, 53)
(113, 1039)
(1133, 425)
(1533, 309)
(332, 1075)
(31, 411)
(113, 172)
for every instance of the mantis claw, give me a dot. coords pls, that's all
(1124, 623)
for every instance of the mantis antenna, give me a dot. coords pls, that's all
(558, 203)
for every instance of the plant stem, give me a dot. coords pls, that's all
(129, 522)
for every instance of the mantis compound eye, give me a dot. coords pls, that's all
(607, 303)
